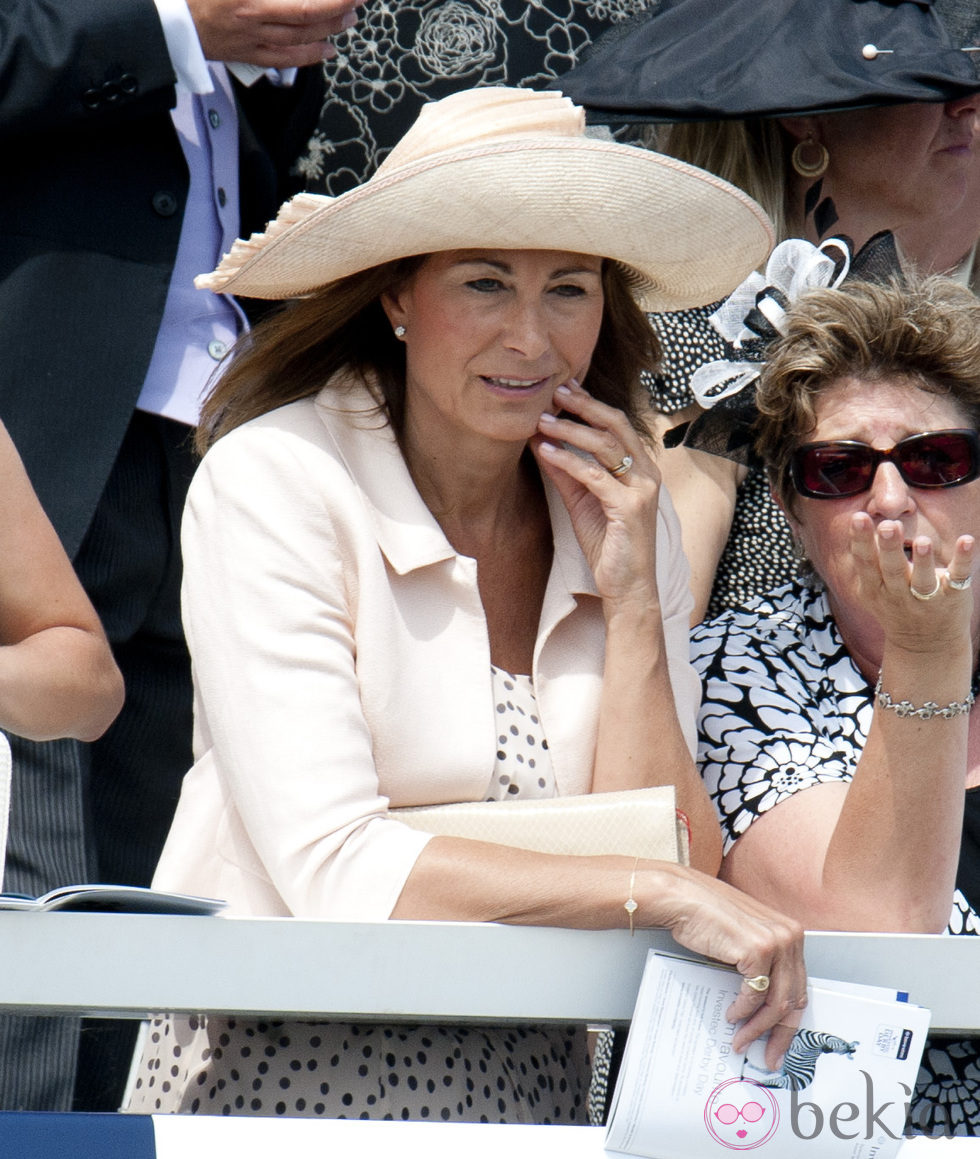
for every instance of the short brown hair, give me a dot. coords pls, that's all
(923, 331)
(295, 351)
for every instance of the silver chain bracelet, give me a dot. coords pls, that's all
(928, 710)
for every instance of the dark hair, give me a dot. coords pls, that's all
(919, 331)
(295, 351)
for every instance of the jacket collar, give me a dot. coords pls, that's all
(406, 530)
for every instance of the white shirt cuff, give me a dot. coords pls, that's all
(186, 54)
(248, 74)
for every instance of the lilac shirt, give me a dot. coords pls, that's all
(198, 326)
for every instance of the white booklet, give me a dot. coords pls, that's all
(843, 1089)
(129, 899)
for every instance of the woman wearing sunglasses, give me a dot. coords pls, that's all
(838, 728)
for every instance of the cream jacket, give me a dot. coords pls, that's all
(342, 663)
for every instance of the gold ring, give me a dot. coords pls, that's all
(760, 983)
(959, 585)
(926, 595)
(621, 467)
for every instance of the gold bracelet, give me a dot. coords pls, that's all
(630, 905)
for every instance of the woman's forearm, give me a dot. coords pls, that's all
(640, 741)
(881, 852)
(703, 488)
(457, 880)
(57, 674)
(898, 836)
(59, 682)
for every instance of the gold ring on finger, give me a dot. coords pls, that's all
(959, 585)
(760, 983)
(926, 595)
(622, 467)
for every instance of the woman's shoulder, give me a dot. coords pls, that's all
(781, 648)
(316, 433)
(288, 467)
(794, 613)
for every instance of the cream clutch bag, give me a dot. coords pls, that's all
(635, 823)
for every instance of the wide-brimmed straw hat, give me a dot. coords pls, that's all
(504, 168)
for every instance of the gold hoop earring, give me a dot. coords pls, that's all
(814, 165)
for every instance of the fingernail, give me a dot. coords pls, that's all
(563, 389)
(548, 417)
(329, 50)
(547, 448)
(348, 20)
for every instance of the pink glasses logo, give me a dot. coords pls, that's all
(741, 1114)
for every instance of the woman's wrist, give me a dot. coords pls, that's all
(639, 613)
(920, 676)
(658, 888)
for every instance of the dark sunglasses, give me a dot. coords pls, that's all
(834, 470)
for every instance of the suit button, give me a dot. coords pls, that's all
(91, 98)
(165, 203)
(129, 84)
(222, 197)
(214, 117)
(111, 92)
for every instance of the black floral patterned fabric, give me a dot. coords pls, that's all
(785, 708)
(399, 56)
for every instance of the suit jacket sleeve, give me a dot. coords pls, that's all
(68, 63)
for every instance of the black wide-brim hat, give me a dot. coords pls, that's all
(706, 60)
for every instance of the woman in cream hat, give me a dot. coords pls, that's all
(421, 568)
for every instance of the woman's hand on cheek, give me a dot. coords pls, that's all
(614, 514)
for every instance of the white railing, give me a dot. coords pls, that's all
(127, 964)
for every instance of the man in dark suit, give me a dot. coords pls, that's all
(129, 162)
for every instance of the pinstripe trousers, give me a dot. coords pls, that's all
(101, 811)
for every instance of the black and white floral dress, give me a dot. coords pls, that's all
(784, 709)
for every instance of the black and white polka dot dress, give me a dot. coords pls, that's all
(519, 1074)
(758, 554)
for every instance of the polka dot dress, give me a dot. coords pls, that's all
(338, 1071)
(758, 554)
(523, 767)
(471, 1074)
